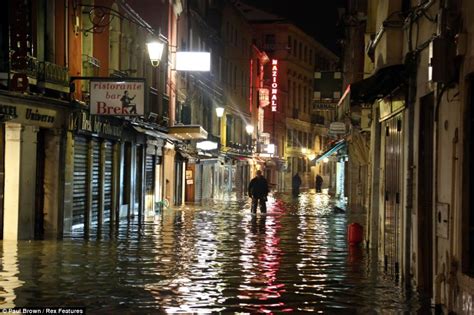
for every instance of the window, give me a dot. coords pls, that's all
(242, 88)
(300, 97)
(289, 94)
(220, 69)
(294, 95)
(305, 104)
(229, 129)
(270, 39)
(235, 78)
(288, 137)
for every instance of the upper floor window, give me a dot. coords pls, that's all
(269, 38)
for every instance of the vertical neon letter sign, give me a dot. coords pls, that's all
(274, 84)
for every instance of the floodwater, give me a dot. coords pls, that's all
(208, 259)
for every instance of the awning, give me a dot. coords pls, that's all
(155, 133)
(383, 82)
(334, 148)
(188, 132)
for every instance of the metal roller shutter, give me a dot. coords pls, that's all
(149, 180)
(149, 174)
(393, 154)
(95, 182)
(81, 150)
(108, 180)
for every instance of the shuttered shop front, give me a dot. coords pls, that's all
(95, 182)
(81, 149)
(107, 179)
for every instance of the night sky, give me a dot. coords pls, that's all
(318, 18)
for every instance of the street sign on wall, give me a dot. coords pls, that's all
(117, 98)
(337, 128)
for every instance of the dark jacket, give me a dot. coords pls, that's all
(296, 182)
(258, 187)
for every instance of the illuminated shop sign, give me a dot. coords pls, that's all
(274, 98)
(263, 97)
(117, 98)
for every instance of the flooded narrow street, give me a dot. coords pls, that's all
(213, 258)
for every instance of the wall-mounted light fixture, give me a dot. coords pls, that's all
(220, 111)
(249, 129)
(155, 51)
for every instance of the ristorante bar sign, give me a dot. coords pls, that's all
(274, 93)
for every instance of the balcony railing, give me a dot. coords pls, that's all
(240, 148)
(91, 65)
(118, 74)
(47, 74)
(53, 73)
(32, 69)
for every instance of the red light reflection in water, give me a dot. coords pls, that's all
(261, 262)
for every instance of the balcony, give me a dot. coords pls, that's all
(46, 75)
(53, 76)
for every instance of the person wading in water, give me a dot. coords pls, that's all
(258, 191)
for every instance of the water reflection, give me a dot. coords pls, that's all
(214, 258)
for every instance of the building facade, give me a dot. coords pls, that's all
(419, 207)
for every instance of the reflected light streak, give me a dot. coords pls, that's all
(9, 280)
(260, 267)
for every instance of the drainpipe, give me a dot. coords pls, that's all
(450, 260)
(66, 35)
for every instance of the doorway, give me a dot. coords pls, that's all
(425, 197)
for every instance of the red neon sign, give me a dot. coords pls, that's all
(274, 97)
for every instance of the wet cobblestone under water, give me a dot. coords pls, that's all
(213, 258)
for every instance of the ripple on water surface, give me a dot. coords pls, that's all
(217, 257)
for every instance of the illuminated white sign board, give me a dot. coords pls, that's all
(206, 145)
(117, 98)
(193, 61)
(274, 93)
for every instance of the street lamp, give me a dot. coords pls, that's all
(249, 129)
(220, 111)
(155, 51)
